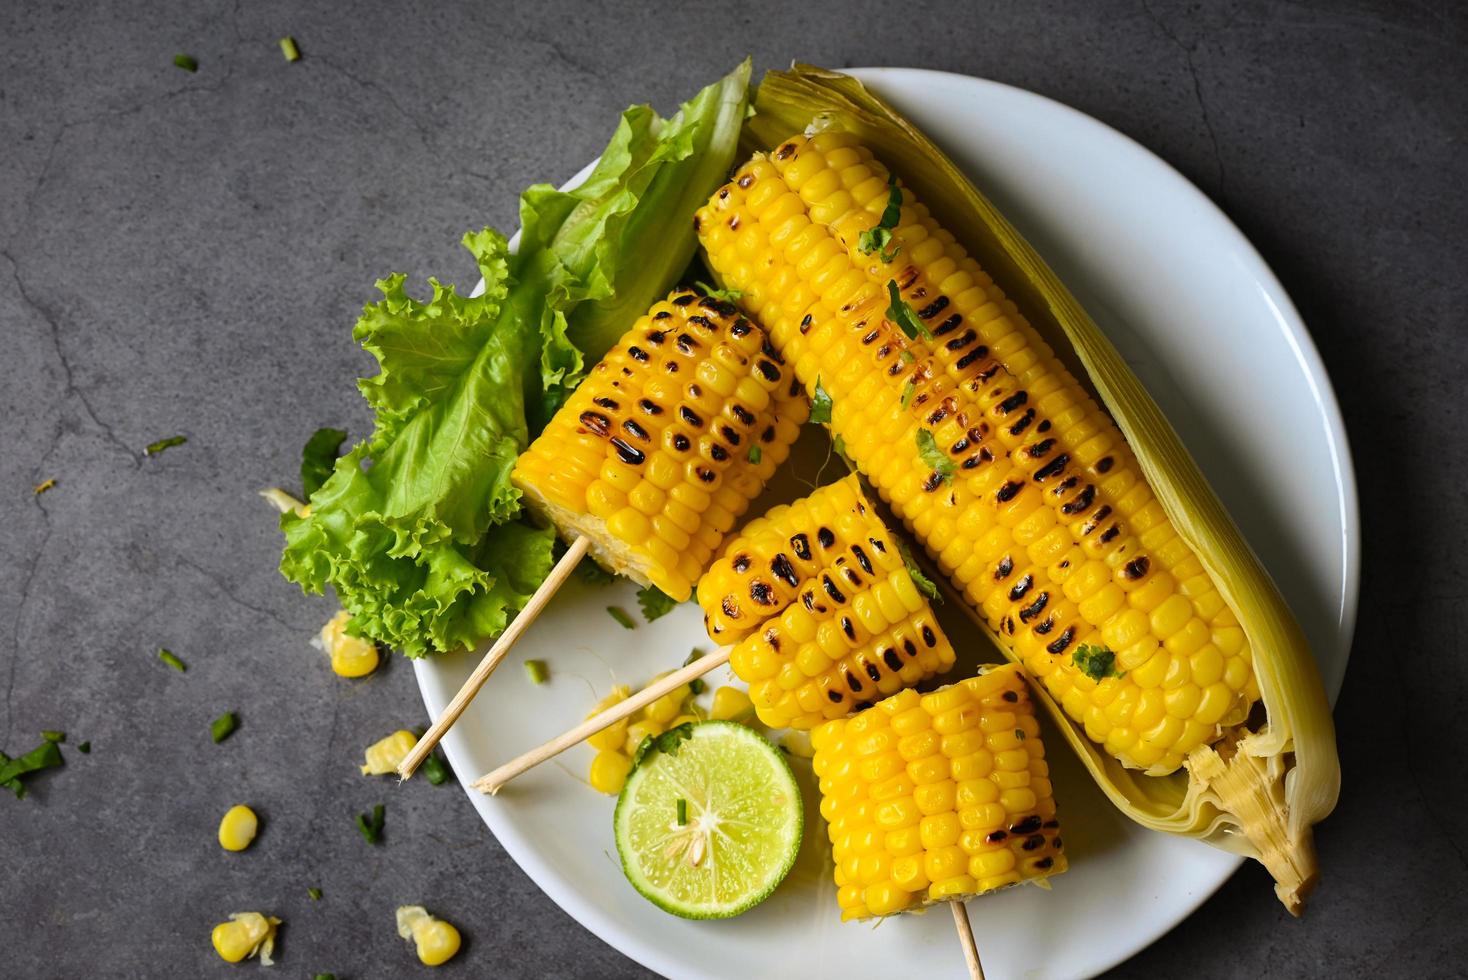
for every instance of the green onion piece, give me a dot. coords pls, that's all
(324, 976)
(53, 736)
(682, 812)
(436, 770)
(537, 671)
(755, 454)
(168, 657)
(315, 894)
(85, 748)
(697, 686)
(154, 448)
(371, 827)
(624, 620)
(47, 755)
(289, 49)
(223, 727)
(185, 62)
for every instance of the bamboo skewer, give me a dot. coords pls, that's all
(518, 625)
(492, 782)
(966, 939)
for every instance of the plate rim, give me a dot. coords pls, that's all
(1292, 326)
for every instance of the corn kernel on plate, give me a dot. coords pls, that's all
(1208, 330)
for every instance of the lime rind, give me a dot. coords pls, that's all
(745, 823)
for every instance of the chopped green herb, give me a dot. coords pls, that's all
(44, 485)
(324, 976)
(669, 741)
(820, 404)
(436, 770)
(168, 657)
(924, 584)
(838, 444)
(682, 812)
(371, 827)
(47, 755)
(655, 603)
(697, 686)
(907, 356)
(315, 894)
(624, 620)
(908, 390)
(693, 655)
(1096, 662)
(537, 671)
(755, 454)
(53, 736)
(185, 62)
(590, 572)
(85, 748)
(879, 236)
(901, 314)
(223, 727)
(318, 458)
(932, 456)
(289, 49)
(154, 448)
(713, 292)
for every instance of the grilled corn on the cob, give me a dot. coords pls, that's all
(939, 796)
(660, 450)
(822, 610)
(1018, 484)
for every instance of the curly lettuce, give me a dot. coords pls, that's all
(418, 528)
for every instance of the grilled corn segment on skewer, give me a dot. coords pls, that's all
(660, 450)
(938, 797)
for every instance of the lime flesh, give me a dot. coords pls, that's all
(744, 822)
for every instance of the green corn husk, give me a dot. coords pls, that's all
(1259, 790)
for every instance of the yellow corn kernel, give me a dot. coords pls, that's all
(237, 828)
(351, 656)
(731, 704)
(246, 934)
(436, 941)
(667, 707)
(384, 756)
(612, 737)
(609, 771)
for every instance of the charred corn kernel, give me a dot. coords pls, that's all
(435, 940)
(237, 828)
(246, 934)
(786, 592)
(612, 737)
(351, 656)
(651, 458)
(941, 837)
(1026, 493)
(609, 771)
(384, 756)
(731, 704)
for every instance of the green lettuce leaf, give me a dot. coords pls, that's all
(418, 528)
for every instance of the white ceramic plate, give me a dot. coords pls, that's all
(1212, 334)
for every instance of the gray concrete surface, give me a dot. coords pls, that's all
(186, 253)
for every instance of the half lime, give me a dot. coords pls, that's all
(708, 826)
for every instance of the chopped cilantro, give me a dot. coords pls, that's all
(756, 454)
(168, 657)
(820, 404)
(907, 356)
(908, 390)
(655, 603)
(371, 827)
(934, 457)
(318, 458)
(590, 572)
(1096, 662)
(713, 292)
(85, 748)
(623, 620)
(537, 671)
(186, 62)
(693, 655)
(924, 584)
(669, 741)
(901, 314)
(223, 727)
(154, 448)
(879, 236)
(436, 770)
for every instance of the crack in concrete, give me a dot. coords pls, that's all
(25, 596)
(1189, 54)
(229, 593)
(368, 85)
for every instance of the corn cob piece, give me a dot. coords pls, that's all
(938, 797)
(660, 450)
(1017, 483)
(821, 609)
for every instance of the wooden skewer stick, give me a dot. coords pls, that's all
(496, 653)
(494, 781)
(966, 938)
